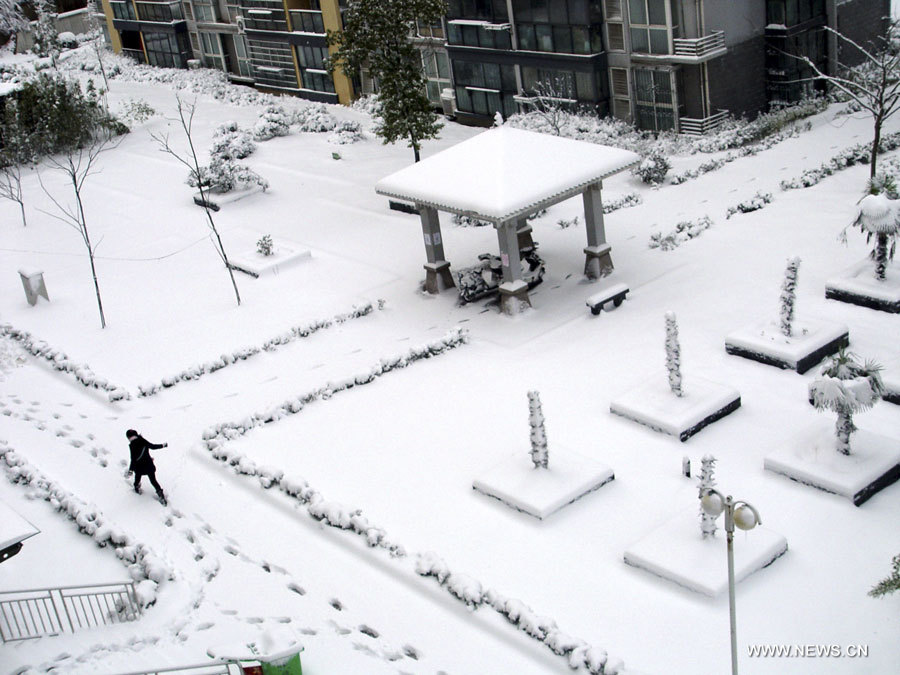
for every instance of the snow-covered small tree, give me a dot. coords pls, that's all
(707, 481)
(538, 435)
(789, 296)
(265, 246)
(673, 354)
(846, 387)
(879, 217)
(12, 20)
(44, 32)
(654, 167)
(890, 584)
(553, 99)
(273, 122)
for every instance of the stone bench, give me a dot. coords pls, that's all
(615, 294)
(33, 283)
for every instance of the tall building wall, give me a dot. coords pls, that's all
(860, 21)
(737, 81)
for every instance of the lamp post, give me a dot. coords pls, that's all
(746, 517)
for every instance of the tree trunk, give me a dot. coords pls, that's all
(221, 247)
(881, 255)
(873, 158)
(87, 242)
(416, 151)
(22, 208)
(844, 427)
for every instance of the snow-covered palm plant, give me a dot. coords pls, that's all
(789, 296)
(707, 481)
(846, 387)
(538, 434)
(879, 217)
(673, 354)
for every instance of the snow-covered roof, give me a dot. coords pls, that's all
(505, 173)
(13, 527)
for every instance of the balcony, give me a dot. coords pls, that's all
(691, 126)
(307, 21)
(136, 54)
(698, 50)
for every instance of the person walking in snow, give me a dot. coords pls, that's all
(142, 463)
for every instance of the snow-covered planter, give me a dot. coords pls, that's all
(788, 344)
(282, 255)
(653, 168)
(296, 332)
(685, 230)
(60, 361)
(274, 121)
(857, 285)
(755, 203)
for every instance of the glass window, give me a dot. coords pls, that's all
(585, 86)
(540, 11)
(562, 39)
(637, 11)
(507, 78)
(581, 40)
(526, 37)
(659, 41)
(544, 35)
(558, 13)
(657, 12)
(578, 11)
(443, 65)
(492, 76)
(640, 41)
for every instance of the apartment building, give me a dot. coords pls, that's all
(662, 64)
(275, 45)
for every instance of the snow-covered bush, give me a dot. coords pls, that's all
(136, 111)
(264, 245)
(60, 361)
(653, 168)
(756, 202)
(707, 481)
(879, 217)
(623, 202)
(229, 140)
(539, 455)
(224, 174)
(686, 229)
(67, 40)
(856, 154)
(314, 119)
(846, 386)
(467, 221)
(673, 354)
(346, 132)
(274, 121)
(566, 224)
(789, 296)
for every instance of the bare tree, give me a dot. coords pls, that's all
(14, 156)
(553, 99)
(78, 164)
(186, 113)
(874, 85)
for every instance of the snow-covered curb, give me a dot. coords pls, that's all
(295, 333)
(144, 567)
(60, 361)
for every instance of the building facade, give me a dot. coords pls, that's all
(275, 45)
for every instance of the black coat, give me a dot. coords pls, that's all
(141, 461)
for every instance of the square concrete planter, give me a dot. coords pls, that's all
(858, 286)
(811, 342)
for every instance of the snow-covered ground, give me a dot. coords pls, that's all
(404, 445)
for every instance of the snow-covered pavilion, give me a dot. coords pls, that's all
(502, 176)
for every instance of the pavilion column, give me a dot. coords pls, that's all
(437, 270)
(513, 290)
(598, 262)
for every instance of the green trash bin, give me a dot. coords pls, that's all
(291, 666)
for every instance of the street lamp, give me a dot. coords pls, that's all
(746, 517)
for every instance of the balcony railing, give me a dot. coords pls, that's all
(700, 48)
(136, 54)
(692, 126)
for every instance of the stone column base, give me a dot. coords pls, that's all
(524, 236)
(598, 262)
(438, 277)
(514, 297)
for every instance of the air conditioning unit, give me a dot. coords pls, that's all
(448, 102)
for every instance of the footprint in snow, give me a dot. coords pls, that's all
(411, 652)
(340, 630)
(299, 590)
(309, 631)
(368, 630)
(205, 626)
(254, 619)
(75, 443)
(229, 612)
(337, 604)
(283, 619)
(56, 416)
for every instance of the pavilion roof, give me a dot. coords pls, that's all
(505, 173)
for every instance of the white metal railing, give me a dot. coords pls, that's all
(693, 126)
(699, 47)
(50, 611)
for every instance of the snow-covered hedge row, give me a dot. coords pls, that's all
(304, 330)
(230, 430)
(686, 229)
(746, 151)
(59, 361)
(544, 629)
(145, 568)
(856, 154)
(756, 202)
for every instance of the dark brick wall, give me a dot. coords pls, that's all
(862, 21)
(737, 81)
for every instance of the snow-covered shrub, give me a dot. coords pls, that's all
(274, 121)
(846, 387)
(856, 154)
(224, 174)
(879, 217)
(707, 481)
(67, 40)
(229, 140)
(314, 118)
(538, 435)
(264, 245)
(686, 229)
(623, 202)
(673, 354)
(566, 224)
(346, 132)
(467, 221)
(789, 296)
(367, 104)
(136, 111)
(653, 168)
(738, 133)
(756, 202)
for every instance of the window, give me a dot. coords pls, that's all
(307, 21)
(272, 63)
(203, 11)
(654, 109)
(160, 13)
(123, 10)
(616, 35)
(650, 31)
(167, 49)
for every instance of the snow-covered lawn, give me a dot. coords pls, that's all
(403, 449)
